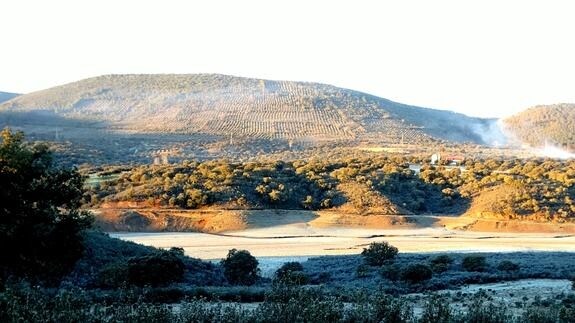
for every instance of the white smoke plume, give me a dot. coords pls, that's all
(491, 132)
(553, 152)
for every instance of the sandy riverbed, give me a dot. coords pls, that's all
(303, 239)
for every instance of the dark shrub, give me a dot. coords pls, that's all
(362, 271)
(163, 295)
(439, 268)
(441, 263)
(416, 273)
(391, 272)
(508, 266)
(474, 263)
(294, 278)
(177, 251)
(155, 270)
(323, 277)
(288, 267)
(569, 300)
(378, 253)
(113, 275)
(240, 267)
(242, 294)
(291, 273)
(442, 259)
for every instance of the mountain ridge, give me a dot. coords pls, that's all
(244, 107)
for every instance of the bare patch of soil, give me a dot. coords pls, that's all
(169, 220)
(138, 218)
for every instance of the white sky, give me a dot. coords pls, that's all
(483, 58)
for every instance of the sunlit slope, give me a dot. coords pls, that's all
(545, 124)
(240, 107)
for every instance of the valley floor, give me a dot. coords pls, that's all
(282, 233)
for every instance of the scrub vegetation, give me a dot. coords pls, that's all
(545, 125)
(534, 189)
(56, 268)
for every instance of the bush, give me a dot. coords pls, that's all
(388, 309)
(482, 309)
(164, 295)
(294, 304)
(508, 266)
(155, 270)
(416, 273)
(474, 263)
(362, 271)
(391, 272)
(295, 278)
(291, 273)
(113, 275)
(289, 267)
(322, 278)
(378, 253)
(442, 259)
(441, 263)
(436, 310)
(240, 267)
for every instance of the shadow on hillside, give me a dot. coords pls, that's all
(271, 218)
(44, 122)
(97, 142)
(416, 196)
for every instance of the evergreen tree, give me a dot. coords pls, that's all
(40, 220)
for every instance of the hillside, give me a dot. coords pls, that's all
(540, 190)
(225, 109)
(5, 96)
(545, 124)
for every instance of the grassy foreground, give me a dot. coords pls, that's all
(281, 304)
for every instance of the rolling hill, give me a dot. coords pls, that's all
(544, 124)
(205, 109)
(5, 96)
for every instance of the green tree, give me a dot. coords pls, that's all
(508, 266)
(40, 220)
(416, 273)
(157, 269)
(441, 263)
(240, 267)
(291, 273)
(474, 263)
(378, 253)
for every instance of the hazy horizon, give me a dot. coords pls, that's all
(487, 58)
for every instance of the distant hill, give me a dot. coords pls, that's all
(129, 116)
(544, 124)
(5, 96)
(227, 105)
